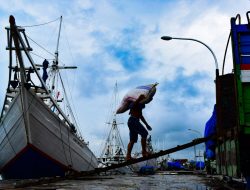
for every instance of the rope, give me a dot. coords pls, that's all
(40, 56)
(68, 105)
(41, 23)
(40, 46)
(75, 115)
(73, 112)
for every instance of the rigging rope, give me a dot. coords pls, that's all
(76, 118)
(40, 56)
(73, 112)
(41, 23)
(69, 107)
(40, 46)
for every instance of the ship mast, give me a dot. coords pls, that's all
(22, 79)
(113, 151)
(18, 46)
(57, 45)
(55, 75)
(55, 62)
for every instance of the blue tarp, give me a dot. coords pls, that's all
(210, 129)
(175, 165)
(200, 165)
(147, 170)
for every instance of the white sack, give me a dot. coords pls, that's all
(147, 90)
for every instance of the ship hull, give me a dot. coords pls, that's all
(35, 142)
(32, 163)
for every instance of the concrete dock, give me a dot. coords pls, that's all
(159, 181)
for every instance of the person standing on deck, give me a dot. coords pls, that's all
(135, 127)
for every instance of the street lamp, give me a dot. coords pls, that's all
(198, 132)
(195, 131)
(167, 38)
(194, 150)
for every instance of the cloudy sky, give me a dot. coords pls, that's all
(120, 41)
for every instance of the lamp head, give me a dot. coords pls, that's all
(166, 38)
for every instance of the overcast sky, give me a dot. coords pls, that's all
(120, 41)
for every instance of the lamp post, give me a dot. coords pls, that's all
(194, 150)
(198, 132)
(167, 38)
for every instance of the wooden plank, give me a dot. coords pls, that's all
(114, 166)
(155, 155)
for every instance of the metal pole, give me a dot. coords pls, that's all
(167, 38)
(195, 159)
(198, 132)
(58, 38)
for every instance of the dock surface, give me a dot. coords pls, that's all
(159, 181)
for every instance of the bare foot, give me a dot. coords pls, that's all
(129, 158)
(146, 154)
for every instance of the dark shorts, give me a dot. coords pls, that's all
(135, 128)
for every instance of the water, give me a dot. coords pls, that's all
(159, 181)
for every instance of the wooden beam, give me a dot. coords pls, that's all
(155, 155)
(114, 166)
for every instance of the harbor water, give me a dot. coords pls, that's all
(159, 181)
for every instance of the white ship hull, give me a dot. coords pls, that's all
(35, 142)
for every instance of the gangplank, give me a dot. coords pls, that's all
(155, 155)
(96, 171)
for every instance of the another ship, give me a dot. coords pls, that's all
(37, 138)
(113, 151)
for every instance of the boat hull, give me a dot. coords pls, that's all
(35, 164)
(37, 143)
